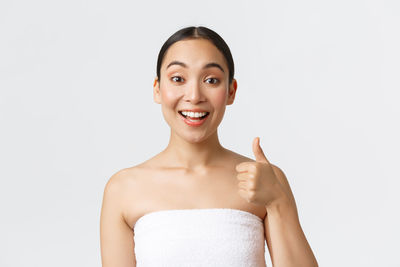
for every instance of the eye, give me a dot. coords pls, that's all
(215, 79)
(173, 78)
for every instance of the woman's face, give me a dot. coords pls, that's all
(190, 82)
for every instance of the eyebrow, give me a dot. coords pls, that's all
(208, 65)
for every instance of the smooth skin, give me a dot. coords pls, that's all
(195, 171)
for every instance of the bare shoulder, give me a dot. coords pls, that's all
(127, 177)
(132, 187)
(116, 235)
(237, 158)
(121, 188)
(119, 181)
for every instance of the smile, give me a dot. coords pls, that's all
(194, 118)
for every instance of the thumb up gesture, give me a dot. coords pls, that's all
(258, 182)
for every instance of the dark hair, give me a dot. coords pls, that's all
(199, 32)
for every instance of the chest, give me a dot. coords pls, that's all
(176, 190)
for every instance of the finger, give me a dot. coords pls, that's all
(242, 185)
(244, 176)
(243, 194)
(243, 166)
(258, 152)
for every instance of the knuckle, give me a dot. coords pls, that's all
(252, 186)
(252, 196)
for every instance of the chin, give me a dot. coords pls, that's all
(194, 138)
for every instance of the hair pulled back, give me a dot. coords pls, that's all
(199, 32)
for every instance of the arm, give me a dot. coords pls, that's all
(286, 241)
(116, 237)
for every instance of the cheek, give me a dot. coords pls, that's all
(220, 98)
(169, 97)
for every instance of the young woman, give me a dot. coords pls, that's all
(197, 203)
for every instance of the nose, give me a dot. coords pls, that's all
(193, 93)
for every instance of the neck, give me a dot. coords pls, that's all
(193, 155)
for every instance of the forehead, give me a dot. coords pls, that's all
(194, 52)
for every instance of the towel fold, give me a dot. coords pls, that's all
(199, 237)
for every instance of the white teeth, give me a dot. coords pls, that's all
(194, 114)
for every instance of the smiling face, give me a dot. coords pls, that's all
(194, 76)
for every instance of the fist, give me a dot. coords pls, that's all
(257, 181)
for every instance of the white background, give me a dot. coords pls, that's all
(318, 81)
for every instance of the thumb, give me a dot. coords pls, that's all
(258, 152)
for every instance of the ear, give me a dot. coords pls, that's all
(156, 91)
(232, 92)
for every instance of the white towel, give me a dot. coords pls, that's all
(199, 237)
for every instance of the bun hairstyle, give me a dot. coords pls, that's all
(199, 32)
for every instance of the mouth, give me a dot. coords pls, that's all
(194, 115)
(193, 118)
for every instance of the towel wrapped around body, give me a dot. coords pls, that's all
(199, 237)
